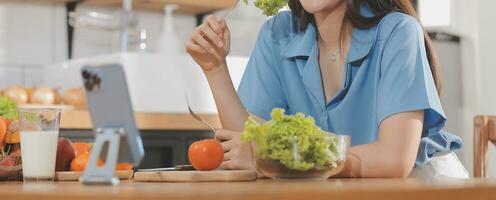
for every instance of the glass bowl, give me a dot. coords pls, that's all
(336, 148)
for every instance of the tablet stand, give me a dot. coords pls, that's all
(103, 175)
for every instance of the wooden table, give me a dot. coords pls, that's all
(370, 189)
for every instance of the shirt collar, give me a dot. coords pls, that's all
(302, 43)
(362, 41)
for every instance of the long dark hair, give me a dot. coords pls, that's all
(380, 8)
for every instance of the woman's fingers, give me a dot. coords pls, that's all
(223, 135)
(227, 145)
(223, 26)
(214, 38)
(207, 45)
(226, 34)
(214, 24)
(232, 164)
(191, 47)
(228, 155)
(201, 41)
(226, 165)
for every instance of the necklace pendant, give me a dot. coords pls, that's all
(333, 58)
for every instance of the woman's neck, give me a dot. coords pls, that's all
(330, 26)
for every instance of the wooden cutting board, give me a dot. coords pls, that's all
(74, 176)
(196, 176)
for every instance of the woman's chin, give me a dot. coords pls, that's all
(314, 7)
(313, 11)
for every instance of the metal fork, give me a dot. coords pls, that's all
(197, 117)
(230, 10)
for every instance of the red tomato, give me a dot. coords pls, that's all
(206, 154)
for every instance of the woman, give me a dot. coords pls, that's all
(364, 68)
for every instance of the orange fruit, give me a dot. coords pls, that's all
(124, 166)
(206, 154)
(3, 130)
(80, 161)
(7, 123)
(81, 148)
(13, 138)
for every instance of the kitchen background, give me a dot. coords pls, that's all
(34, 50)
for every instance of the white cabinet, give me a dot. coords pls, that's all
(157, 83)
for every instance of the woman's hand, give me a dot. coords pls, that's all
(237, 155)
(210, 44)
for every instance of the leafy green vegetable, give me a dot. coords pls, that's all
(269, 7)
(8, 108)
(294, 141)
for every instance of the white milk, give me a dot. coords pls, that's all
(39, 150)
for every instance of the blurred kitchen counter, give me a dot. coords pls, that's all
(166, 135)
(80, 120)
(338, 189)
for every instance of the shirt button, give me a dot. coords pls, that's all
(324, 120)
(320, 112)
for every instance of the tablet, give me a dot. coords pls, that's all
(110, 106)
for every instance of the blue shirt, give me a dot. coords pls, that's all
(386, 73)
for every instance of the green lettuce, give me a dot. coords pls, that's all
(8, 108)
(269, 7)
(295, 141)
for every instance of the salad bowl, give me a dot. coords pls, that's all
(292, 146)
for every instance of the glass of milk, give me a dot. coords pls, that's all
(39, 130)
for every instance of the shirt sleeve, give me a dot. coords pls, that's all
(407, 84)
(260, 89)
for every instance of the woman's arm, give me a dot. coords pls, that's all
(232, 113)
(394, 152)
(209, 45)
